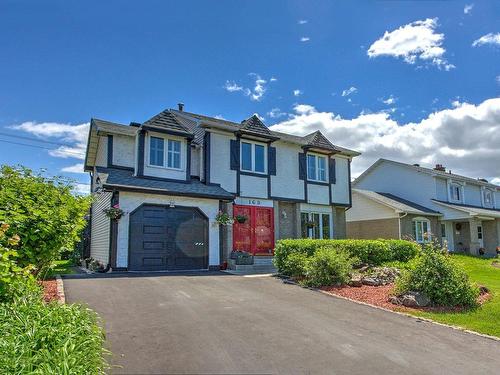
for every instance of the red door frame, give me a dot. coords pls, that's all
(253, 217)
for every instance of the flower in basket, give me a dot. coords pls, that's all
(241, 219)
(114, 212)
(310, 224)
(223, 218)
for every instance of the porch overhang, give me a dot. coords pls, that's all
(469, 212)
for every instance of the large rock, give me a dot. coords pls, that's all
(356, 281)
(371, 281)
(414, 299)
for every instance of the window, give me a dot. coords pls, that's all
(443, 231)
(316, 168)
(488, 197)
(157, 153)
(479, 232)
(421, 230)
(253, 157)
(455, 192)
(315, 225)
(174, 154)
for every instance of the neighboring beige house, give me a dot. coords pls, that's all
(397, 200)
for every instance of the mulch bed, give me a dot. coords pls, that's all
(49, 290)
(379, 296)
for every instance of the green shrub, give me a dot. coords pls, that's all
(373, 252)
(402, 250)
(444, 282)
(39, 338)
(43, 212)
(328, 267)
(295, 265)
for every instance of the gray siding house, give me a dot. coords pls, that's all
(173, 174)
(398, 200)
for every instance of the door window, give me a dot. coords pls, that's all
(316, 225)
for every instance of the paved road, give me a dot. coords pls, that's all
(219, 323)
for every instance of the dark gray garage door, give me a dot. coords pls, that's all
(168, 238)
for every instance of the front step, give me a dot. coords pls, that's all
(261, 267)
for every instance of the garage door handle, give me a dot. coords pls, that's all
(199, 244)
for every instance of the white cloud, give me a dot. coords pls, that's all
(81, 189)
(259, 88)
(273, 79)
(302, 22)
(276, 113)
(297, 92)
(416, 40)
(349, 91)
(498, 79)
(256, 93)
(76, 168)
(465, 138)
(390, 100)
(74, 135)
(305, 39)
(468, 8)
(232, 86)
(489, 38)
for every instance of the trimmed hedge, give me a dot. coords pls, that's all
(373, 252)
(328, 267)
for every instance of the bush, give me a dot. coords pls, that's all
(328, 267)
(444, 282)
(402, 250)
(295, 265)
(50, 339)
(43, 212)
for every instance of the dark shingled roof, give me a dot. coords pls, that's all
(317, 139)
(166, 120)
(255, 125)
(124, 178)
(408, 203)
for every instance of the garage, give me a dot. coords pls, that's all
(165, 238)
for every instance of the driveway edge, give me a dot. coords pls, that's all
(60, 289)
(457, 328)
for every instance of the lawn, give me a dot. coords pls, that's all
(486, 318)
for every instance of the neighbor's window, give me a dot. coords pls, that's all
(488, 197)
(157, 153)
(421, 230)
(156, 146)
(253, 157)
(455, 192)
(316, 168)
(316, 225)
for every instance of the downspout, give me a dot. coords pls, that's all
(399, 223)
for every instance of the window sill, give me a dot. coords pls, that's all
(254, 174)
(318, 182)
(165, 168)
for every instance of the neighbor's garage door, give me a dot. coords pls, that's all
(168, 238)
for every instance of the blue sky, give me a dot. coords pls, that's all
(301, 64)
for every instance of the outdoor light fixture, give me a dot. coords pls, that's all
(283, 214)
(172, 204)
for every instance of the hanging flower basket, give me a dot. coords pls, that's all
(223, 218)
(114, 213)
(241, 219)
(310, 224)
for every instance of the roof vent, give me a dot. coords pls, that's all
(136, 124)
(483, 180)
(439, 167)
(416, 165)
(180, 106)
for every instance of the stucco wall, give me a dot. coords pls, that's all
(286, 183)
(220, 161)
(255, 187)
(123, 151)
(340, 190)
(318, 194)
(373, 229)
(130, 201)
(100, 229)
(101, 159)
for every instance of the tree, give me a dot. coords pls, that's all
(43, 212)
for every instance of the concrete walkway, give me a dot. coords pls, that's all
(215, 323)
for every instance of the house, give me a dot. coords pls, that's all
(172, 174)
(398, 200)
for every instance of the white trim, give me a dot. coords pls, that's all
(317, 157)
(420, 220)
(309, 215)
(165, 152)
(252, 154)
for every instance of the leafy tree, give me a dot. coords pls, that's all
(43, 212)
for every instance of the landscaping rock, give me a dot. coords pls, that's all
(483, 289)
(395, 300)
(356, 281)
(414, 299)
(371, 281)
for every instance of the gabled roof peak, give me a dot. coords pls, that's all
(166, 120)
(255, 124)
(317, 139)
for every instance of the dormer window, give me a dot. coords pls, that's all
(455, 192)
(316, 168)
(488, 197)
(253, 157)
(157, 156)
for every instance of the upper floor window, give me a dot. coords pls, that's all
(488, 197)
(455, 192)
(158, 157)
(421, 229)
(253, 157)
(316, 168)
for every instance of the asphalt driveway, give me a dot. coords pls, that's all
(217, 323)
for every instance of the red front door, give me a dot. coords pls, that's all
(256, 234)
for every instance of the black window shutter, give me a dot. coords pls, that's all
(271, 160)
(333, 177)
(302, 166)
(235, 154)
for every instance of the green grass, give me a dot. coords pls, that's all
(62, 267)
(486, 318)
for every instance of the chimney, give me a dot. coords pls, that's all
(180, 106)
(136, 124)
(483, 180)
(439, 167)
(416, 165)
